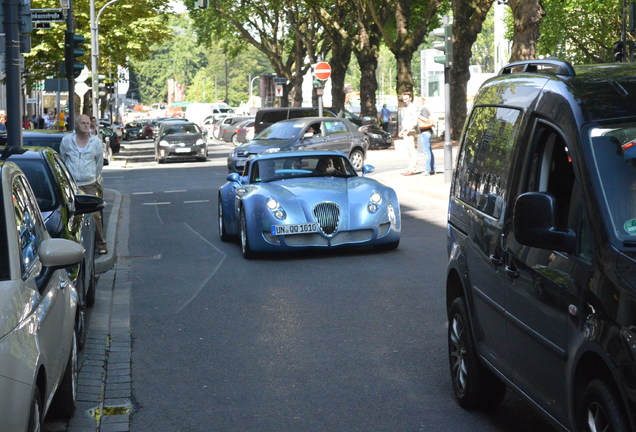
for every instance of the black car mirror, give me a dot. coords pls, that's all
(366, 121)
(534, 223)
(85, 203)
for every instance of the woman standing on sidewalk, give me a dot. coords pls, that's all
(83, 155)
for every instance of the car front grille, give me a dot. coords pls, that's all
(327, 215)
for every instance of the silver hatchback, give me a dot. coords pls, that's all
(38, 307)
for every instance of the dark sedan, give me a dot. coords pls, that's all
(377, 138)
(137, 130)
(180, 140)
(307, 133)
(65, 212)
(229, 127)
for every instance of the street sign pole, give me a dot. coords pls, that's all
(13, 77)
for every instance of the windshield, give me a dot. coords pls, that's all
(182, 129)
(267, 170)
(282, 130)
(614, 153)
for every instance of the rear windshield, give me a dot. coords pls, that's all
(614, 152)
(38, 176)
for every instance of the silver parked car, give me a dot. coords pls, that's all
(38, 307)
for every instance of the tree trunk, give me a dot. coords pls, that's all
(527, 16)
(340, 57)
(468, 17)
(367, 56)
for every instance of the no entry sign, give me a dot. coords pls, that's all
(322, 71)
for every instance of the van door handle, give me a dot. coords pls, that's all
(512, 272)
(498, 261)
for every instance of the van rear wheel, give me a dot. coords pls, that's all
(473, 385)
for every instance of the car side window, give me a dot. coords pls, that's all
(274, 116)
(485, 158)
(29, 225)
(335, 128)
(552, 170)
(68, 187)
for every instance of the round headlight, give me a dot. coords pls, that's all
(272, 204)
(164, 143)
(376, 198)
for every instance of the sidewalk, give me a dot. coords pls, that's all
(104, 399)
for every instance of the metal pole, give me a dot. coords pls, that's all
(94, 55)
(95, 51)
(448, 145)
(70, 27)
(13, 76)
(251, 85)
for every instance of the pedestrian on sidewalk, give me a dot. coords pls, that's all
(3, 120)
(425, 124)
(84, 157)
(408, 131)
(384, 117)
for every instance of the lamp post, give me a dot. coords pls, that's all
(251, 85)
(95, 51)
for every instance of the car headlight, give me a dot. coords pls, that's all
(272, 150)
(164, 143)
(374, 202)
(200, 142)
(276, 209)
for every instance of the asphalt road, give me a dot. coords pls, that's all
(347, 341)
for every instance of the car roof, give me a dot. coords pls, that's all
(30, 152)
(299, 153)
(311, 119)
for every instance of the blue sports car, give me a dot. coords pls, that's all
(306, 199)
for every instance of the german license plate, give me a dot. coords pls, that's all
(294, 229)
(182, 150)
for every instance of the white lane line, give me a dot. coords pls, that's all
(175, 191)
(142, 193)
(156, 203)
(196, 201)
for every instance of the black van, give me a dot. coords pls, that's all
(269, 116)
(541, 280)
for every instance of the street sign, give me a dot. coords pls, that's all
(83, 76)
(279, 80)
(322, 71)
(42, 25)
(81, 88)
(279, 90)
(49, 15)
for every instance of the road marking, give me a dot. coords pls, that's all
(196, 201)
(157, 203)
(142, 193)
(175, 191)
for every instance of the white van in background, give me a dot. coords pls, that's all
(198, 112)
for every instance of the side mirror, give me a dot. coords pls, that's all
(534, 223)
(368, 121)
(308, 135)
(60, 253)
(366, 169)
(87, 204)
(234, 178)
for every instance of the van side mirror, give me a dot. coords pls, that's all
(534, 223)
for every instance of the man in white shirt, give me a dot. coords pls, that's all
(408, 131)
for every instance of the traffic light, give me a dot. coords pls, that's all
(110, 88)
(74, 48)
(444, 44)
(318, 83)
(619, 51)
(101, 85)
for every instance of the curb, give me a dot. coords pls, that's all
(105, 262)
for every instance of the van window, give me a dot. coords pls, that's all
(273, 116)
(485, 158)
(309, 112)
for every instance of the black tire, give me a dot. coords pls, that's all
(473, 385)
(65, 398)
(600, 410)
(35, 416)
(92, 285)
(221, 221)
(235, 140)
(248, 253)
(80, 326)
(357, 159)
